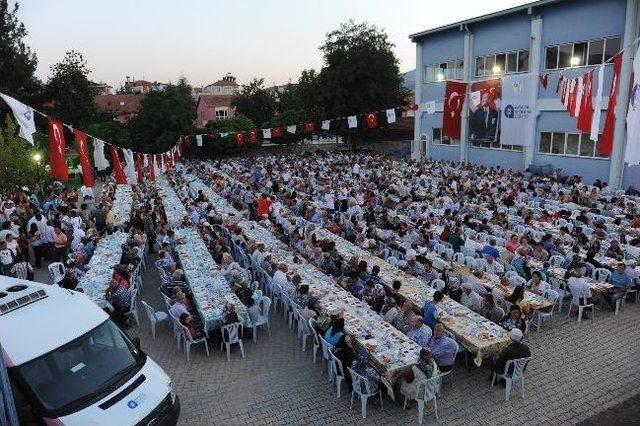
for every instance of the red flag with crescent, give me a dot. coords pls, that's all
(455, 93)
(152, 169)
(253, 136)
(139, 171)
(372, 120)
(57, 146)
(276, 132)
(308, 127)
(239, 139)
(83, 157)
(118, 171)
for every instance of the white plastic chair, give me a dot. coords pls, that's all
(177, 329)
(188, 341)
(316, 338)
(553, 297)
(263, 318)
(438, 284)
(133, 307)
(231, 338)
(428, 390)
(361, 387)
(601, 274)
(327, 349)
(302, 330)
(154, 317)
(57, 271)
(575, 301)
(518, 366)
(338, 373)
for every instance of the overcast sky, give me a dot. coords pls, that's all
(160, 40)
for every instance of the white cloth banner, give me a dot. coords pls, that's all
(475, 98)
(24, 116)
(430, 107)
(597, 107)
(198, 140)
(580, 91)
(391, 115)
(326, 125)
(130, 169)
(224, 134)
(266, 133)
(291, 129)
(518, 104)
(352, 121)
(632, 151)
(99, 160)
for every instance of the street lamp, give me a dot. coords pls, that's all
(37, 158)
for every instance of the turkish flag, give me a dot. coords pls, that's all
(160, 162)
(57, 146)
(253, 136)
(118, 171)
(414, 106)
(573, 95)
(455, 93)
(586, 106)
(308, 127)
(276, 132)
(139, 171)
(152, 168)
(83, 156)
(239, 139)
(371, 119)
(606, 142)
(544, 80)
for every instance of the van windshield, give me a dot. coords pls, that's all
(81, 371)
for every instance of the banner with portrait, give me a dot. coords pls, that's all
(484, 111)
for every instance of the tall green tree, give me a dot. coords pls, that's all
(255, 101)
(163, 117)
(17, 167)
(17, 62)
(308, 92)
(69, 92)
(360, 71)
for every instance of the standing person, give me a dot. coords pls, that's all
(148, 222)
(36, 244)
(98, 216)
(6, 259)
(48, 240)
(59, 245)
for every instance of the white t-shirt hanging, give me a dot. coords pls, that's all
(352, 121)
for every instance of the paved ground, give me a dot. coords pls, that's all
(578, 371)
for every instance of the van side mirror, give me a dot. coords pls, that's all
(136, 342)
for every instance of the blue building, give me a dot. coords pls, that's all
(555, 37)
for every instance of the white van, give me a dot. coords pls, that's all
(69, 364)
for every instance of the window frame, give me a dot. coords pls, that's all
(441, 139)
(490, 73)
(587, 52)
(453, 70)
(481, 144)
(594, 151)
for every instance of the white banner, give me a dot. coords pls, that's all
(430, 107)
(632, 152)
(326, 125)
(266, 133)
(518, 104)
(24, 116)
(391, 115)
(99, 160)
(198, 140)
(352, 121)
(291, 129)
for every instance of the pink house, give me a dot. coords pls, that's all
(214, 103)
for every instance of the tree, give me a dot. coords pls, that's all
(308, 92)
(111, 132)
(255, 101)
(70, 93)
(17, 62)
(17, 167)
(360, 71)
(163, 117)
(239, 123)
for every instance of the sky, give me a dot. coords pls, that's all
(161, 40)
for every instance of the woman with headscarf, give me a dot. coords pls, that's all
(423, 370)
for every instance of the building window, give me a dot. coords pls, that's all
(221, 114)
(438, 139)
(451, 70)
(495, 145)
(572, 144)
(592, 52)
(502, 63)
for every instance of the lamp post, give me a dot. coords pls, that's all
(37, 158)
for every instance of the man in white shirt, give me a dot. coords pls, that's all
(280, 277)
(492, 266)
(78, 235)
(579, 287)
(470, 298)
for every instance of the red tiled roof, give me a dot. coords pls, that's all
(121, 104)
(224, 83)
(213, 101)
